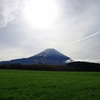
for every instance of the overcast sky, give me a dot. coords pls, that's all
(72, 28)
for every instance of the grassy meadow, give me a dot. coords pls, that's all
(49, 85)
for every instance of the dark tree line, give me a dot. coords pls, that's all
(84, 66)
(30, 67)
(73, 66)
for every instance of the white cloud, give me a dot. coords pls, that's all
(87, 37)
(88, 60)
(8, 10)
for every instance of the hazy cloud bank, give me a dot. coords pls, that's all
(76, 33)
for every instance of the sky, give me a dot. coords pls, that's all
(28, 27)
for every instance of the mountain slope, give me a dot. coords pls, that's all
(48, 56)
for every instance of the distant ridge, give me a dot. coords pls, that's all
(48, 56)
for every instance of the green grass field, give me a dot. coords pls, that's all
(49, 85)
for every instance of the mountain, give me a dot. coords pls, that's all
(48, 56)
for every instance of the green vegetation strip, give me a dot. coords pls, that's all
(49, 85)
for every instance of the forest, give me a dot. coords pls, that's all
(73, 66)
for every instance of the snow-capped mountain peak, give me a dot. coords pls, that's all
(48, 56)
(50, 52)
